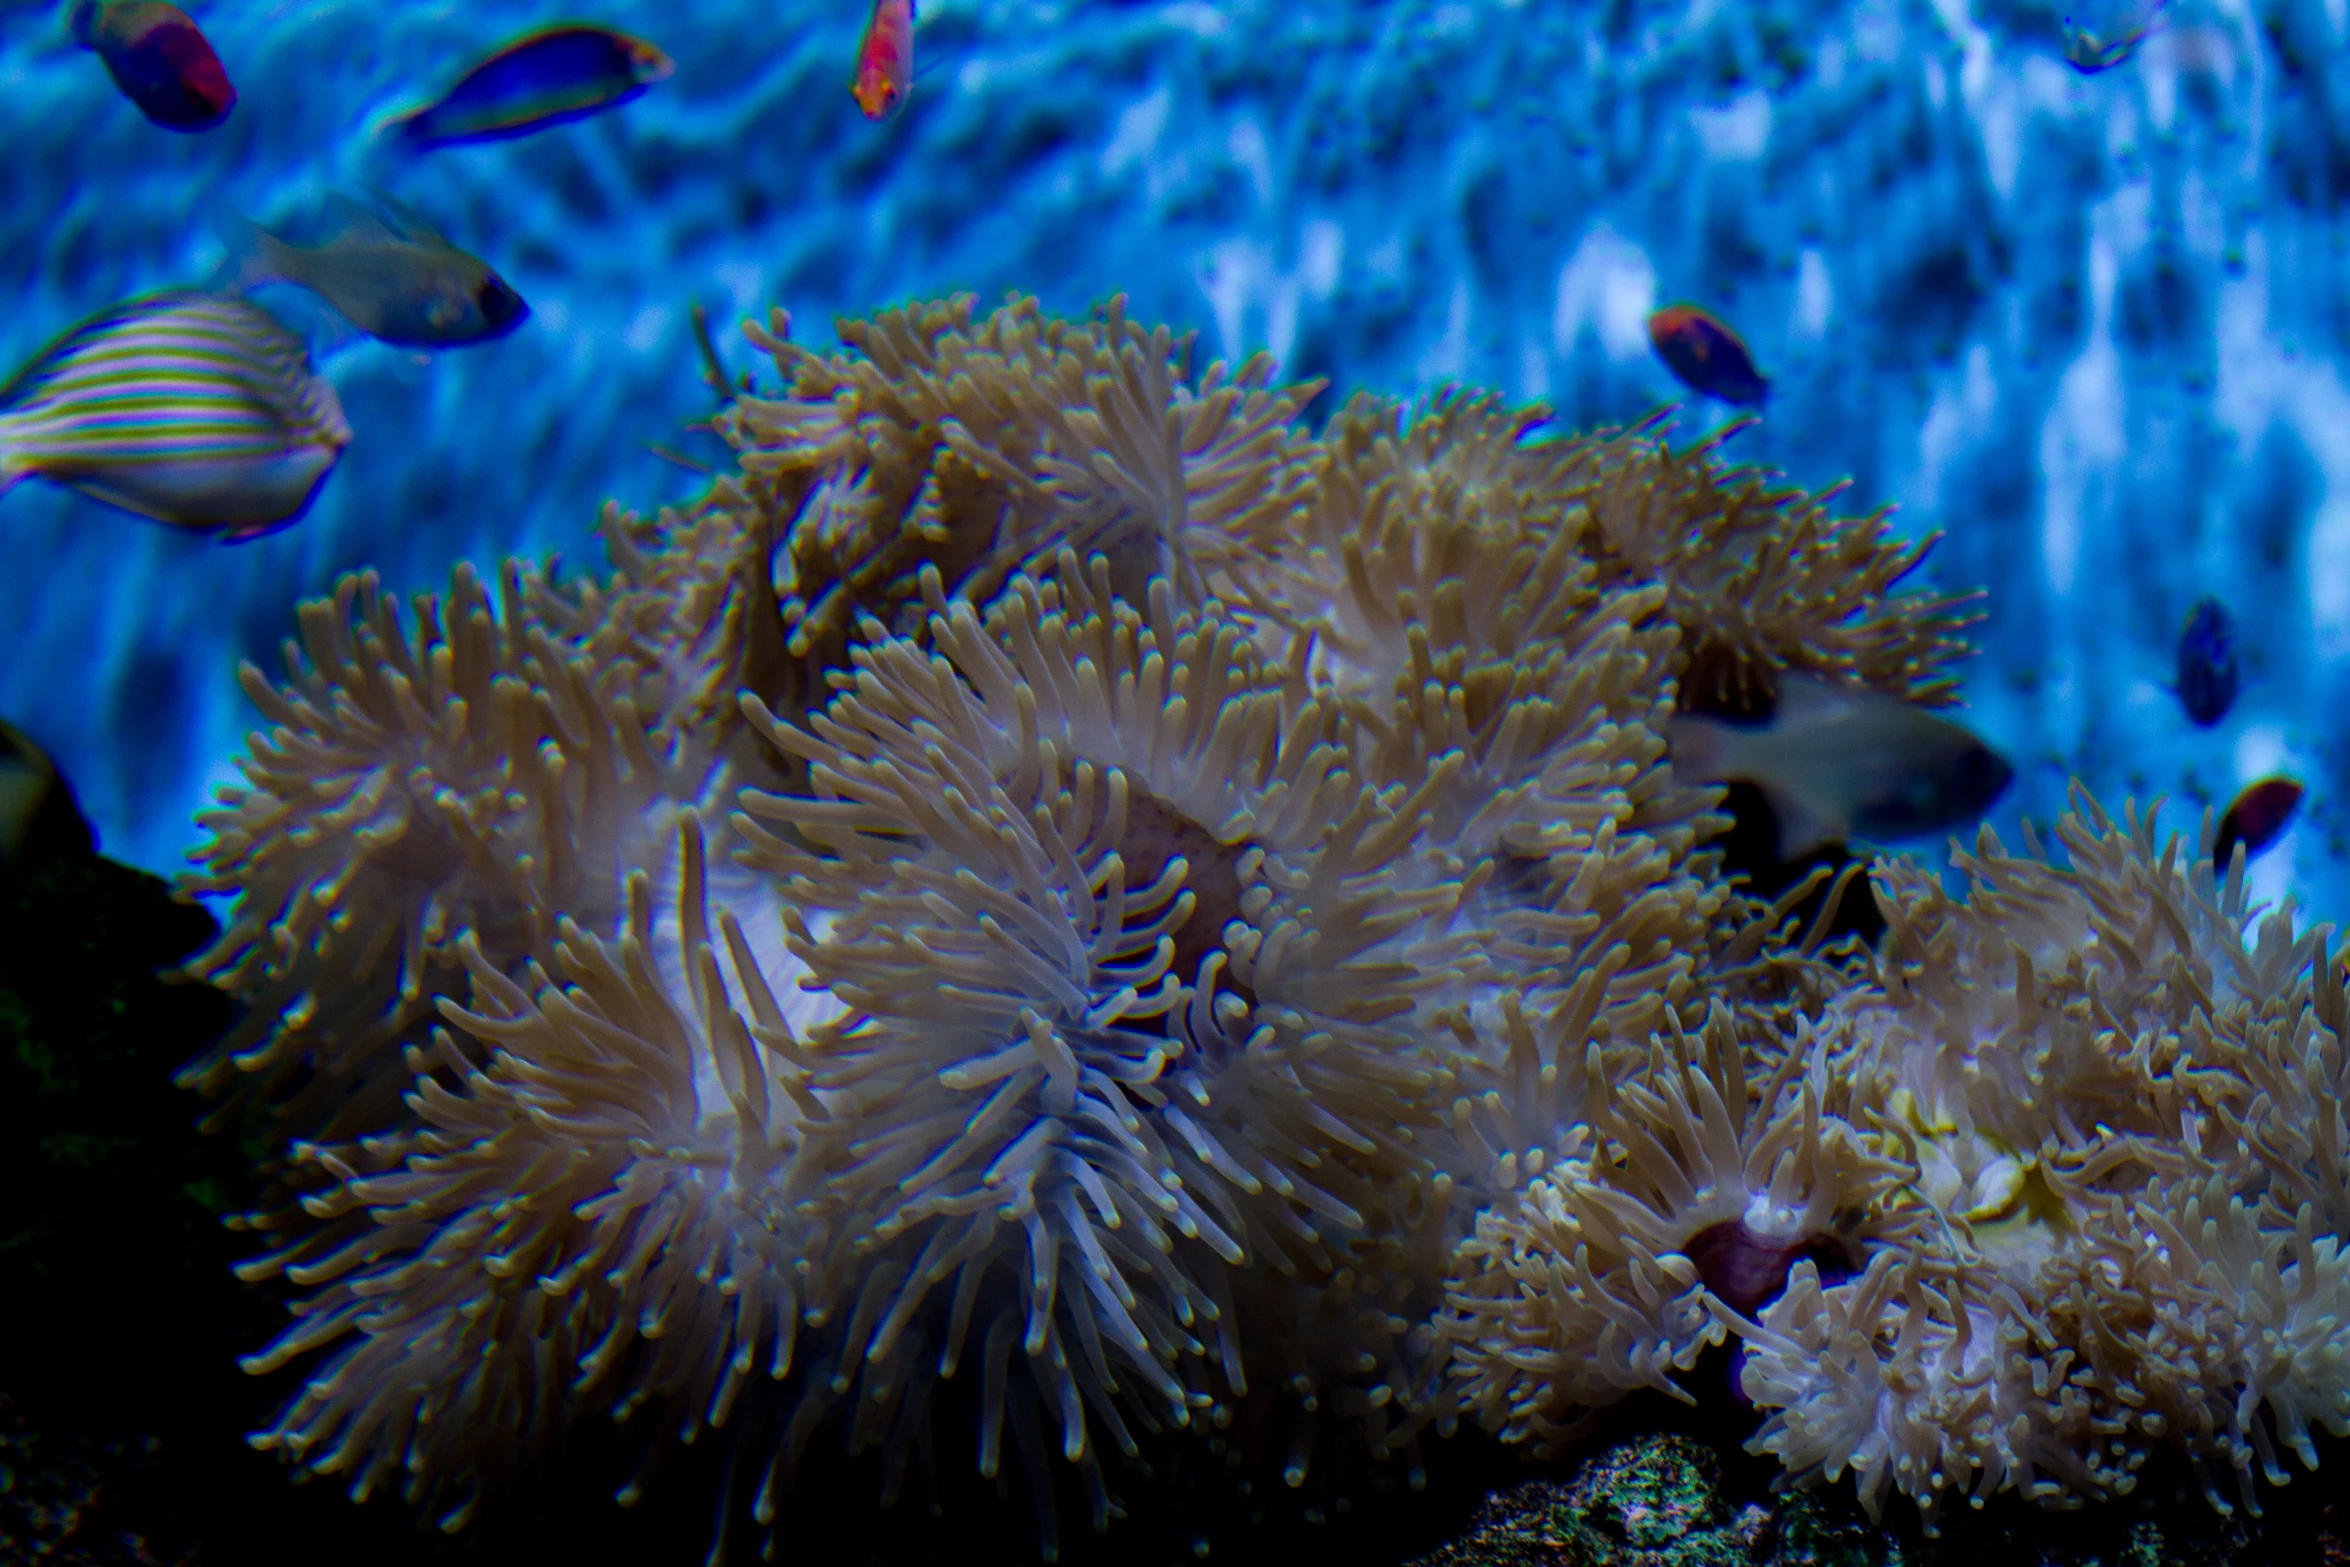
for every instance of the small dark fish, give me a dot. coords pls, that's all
(399, 281)
(540, 79)
(192, 409)
(2207, 663)
(37, 810)
(1837, 762)
(159, 59)
(2089, 53)
(1706, 356)
(884, 79)
(2256, 818)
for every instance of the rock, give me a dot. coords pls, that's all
(1662, 1500)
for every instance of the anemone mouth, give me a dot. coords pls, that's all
(1746, 1269)
(1157, 832)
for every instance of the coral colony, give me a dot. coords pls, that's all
(1058, 914)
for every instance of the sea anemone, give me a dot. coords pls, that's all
(985, 449)
(1692, 1185)
(611, 1212)
(1762, 579)
(472, 774)
(1118, 936)
(1211, 949)
(2091, 1183)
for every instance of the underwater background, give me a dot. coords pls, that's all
(2092, 328)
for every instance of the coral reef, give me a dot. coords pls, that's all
(1056, 911)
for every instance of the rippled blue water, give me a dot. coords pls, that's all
(2093, 329)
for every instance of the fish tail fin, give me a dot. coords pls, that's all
(81, 20)
(254, 254)
(410, 132)
(1704, 749)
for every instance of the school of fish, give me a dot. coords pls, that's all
(199, 409)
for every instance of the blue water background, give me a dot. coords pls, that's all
(2093, 329)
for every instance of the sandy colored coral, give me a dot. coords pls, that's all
(606, 1213)
(2090, 1106)
(469, 773)
(1211, 950)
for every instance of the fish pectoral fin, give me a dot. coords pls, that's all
(324, 330)
(408, 223)
(1803, 826)
(255, 256)
(348, 221)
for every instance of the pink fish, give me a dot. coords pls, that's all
(885, 60)
(159, 59)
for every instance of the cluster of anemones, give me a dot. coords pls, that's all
(1055, 903)
(2060, 1187)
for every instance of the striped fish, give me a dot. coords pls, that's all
(195, 409)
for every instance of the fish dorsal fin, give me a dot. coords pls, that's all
(346, 221)
(58, 349)
(408, 223)
(1809, 699)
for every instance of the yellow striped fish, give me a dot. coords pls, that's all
(199, 410)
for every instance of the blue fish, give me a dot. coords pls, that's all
(540, 79)
(2207, 663)
(193, 409)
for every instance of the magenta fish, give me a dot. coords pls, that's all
(159, 59)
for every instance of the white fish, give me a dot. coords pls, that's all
(194, 409)
(1835, 761)
(394, 276)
